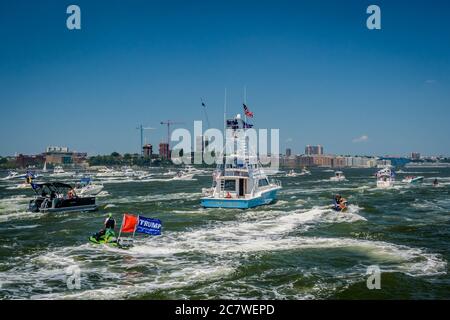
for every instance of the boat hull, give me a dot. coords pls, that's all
(266, 197)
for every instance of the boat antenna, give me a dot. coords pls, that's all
(224, 122)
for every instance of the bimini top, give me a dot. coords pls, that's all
(50, 186)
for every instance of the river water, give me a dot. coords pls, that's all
(296, 248)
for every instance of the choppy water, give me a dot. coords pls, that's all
(293, 249)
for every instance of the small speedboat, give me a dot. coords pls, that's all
(86, 188)
(338, 176)
(413, 179)
(305, 172)
(59, 197)
(291, 173)
(58, 171)
(14, 175)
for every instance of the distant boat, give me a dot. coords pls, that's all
(338, 176)
(305, 172)
(58, 171)
(44, 169)
(107, 172)
(183, 175)
(385, 178)
(291, 173)
(413, 179)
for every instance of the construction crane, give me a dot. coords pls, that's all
(142, 128)
(168, 123)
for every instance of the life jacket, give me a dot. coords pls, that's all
(110, 223)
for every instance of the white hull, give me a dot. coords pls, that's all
(184, 177)
(385, 184)
(336, 179)
(89, 190)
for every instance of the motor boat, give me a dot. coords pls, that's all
(14, 175)
(291, 173)
(128, 172)
(107, 172)
(59, 197)
(305, 172)
(58, 171)
(240, 181)
(169, 173)
(182, 175)
(413, 179)
(86, 188)
(385, 178)
(192, 170)
(338, 176)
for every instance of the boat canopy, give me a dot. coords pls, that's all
(57, 187)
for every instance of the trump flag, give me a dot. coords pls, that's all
(149, 226)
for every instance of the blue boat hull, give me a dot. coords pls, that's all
(265, 198)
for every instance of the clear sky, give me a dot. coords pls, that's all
(311, 68)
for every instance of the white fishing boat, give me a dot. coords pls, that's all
(385, 178)
(413, 179)
(338, 176)
(182, 175)
(291, 173)
(240, 182)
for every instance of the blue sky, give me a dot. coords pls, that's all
(311, 68)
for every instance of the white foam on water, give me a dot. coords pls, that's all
(15, 208)
(158, 197)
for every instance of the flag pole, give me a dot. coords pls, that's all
(120, 231)
(224, 124)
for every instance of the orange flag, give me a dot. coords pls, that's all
(129, 223)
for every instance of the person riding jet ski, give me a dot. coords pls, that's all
(107, 233)
(339, 203)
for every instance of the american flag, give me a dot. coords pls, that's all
(247, 112)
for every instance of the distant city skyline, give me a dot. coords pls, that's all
(311, 69)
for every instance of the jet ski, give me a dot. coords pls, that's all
(339, 207)
(108, 238)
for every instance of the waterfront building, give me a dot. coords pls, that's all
(415, 156)
(313, 150)
(164, 151)
(288, 152)
(147, 150)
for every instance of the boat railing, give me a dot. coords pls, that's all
(276, 182)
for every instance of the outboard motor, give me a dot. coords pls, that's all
(32, 206)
